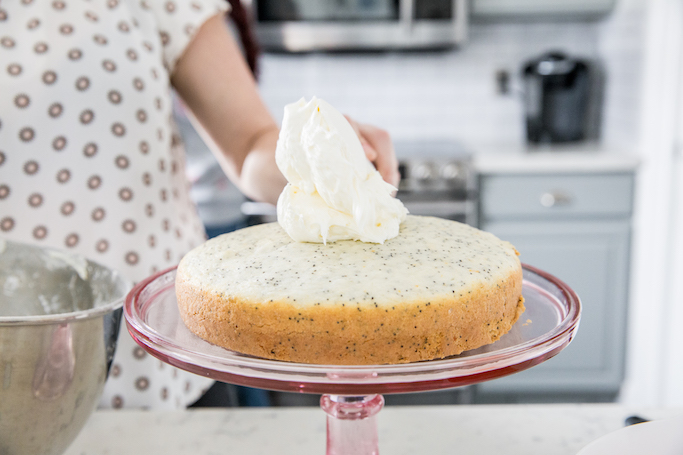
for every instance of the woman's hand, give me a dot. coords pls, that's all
(378, 149)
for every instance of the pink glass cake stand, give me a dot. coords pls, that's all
(352, 395)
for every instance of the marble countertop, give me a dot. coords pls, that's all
(461, 429)
(588, 158)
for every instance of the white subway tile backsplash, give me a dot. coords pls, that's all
(453, 94)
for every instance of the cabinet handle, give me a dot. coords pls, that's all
(555, 199)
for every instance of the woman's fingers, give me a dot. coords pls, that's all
(379, 150)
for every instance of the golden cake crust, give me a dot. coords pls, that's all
(466, 304)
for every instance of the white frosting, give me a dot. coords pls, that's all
(56, 259)
(334, 192)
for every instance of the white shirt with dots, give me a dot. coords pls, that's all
(90, 160)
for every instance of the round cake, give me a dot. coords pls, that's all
(437, 289)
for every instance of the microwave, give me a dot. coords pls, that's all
(350, 25)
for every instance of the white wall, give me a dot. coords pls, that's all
(655, 361)
(621, 46)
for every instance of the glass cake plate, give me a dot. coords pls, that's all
(352, 394)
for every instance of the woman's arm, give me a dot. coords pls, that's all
(215, 83)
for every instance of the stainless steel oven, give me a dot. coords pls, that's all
(437, 180)
(310, 25)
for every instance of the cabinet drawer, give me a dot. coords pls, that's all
(509, 196)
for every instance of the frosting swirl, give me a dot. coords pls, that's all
(334, 192)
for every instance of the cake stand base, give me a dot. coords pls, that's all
(352, 423)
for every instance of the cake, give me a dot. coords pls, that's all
(435, 290)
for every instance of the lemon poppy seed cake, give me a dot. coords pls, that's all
(437, 289)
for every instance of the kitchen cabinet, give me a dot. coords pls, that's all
(576, 226)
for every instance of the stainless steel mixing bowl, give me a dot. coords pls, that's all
(59, 321)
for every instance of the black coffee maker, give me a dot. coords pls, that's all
(561, 98)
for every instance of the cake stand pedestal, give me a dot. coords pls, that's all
(352, 394)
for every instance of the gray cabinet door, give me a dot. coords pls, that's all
(592, 258)
(542, 196)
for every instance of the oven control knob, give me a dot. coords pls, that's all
(422, 171)
(450, 171)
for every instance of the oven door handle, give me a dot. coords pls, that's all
(440, 208)
(444, 209)
(251, 208)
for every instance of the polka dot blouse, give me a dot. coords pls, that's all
(90, 159)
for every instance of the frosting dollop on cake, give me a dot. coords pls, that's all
(334, 192)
